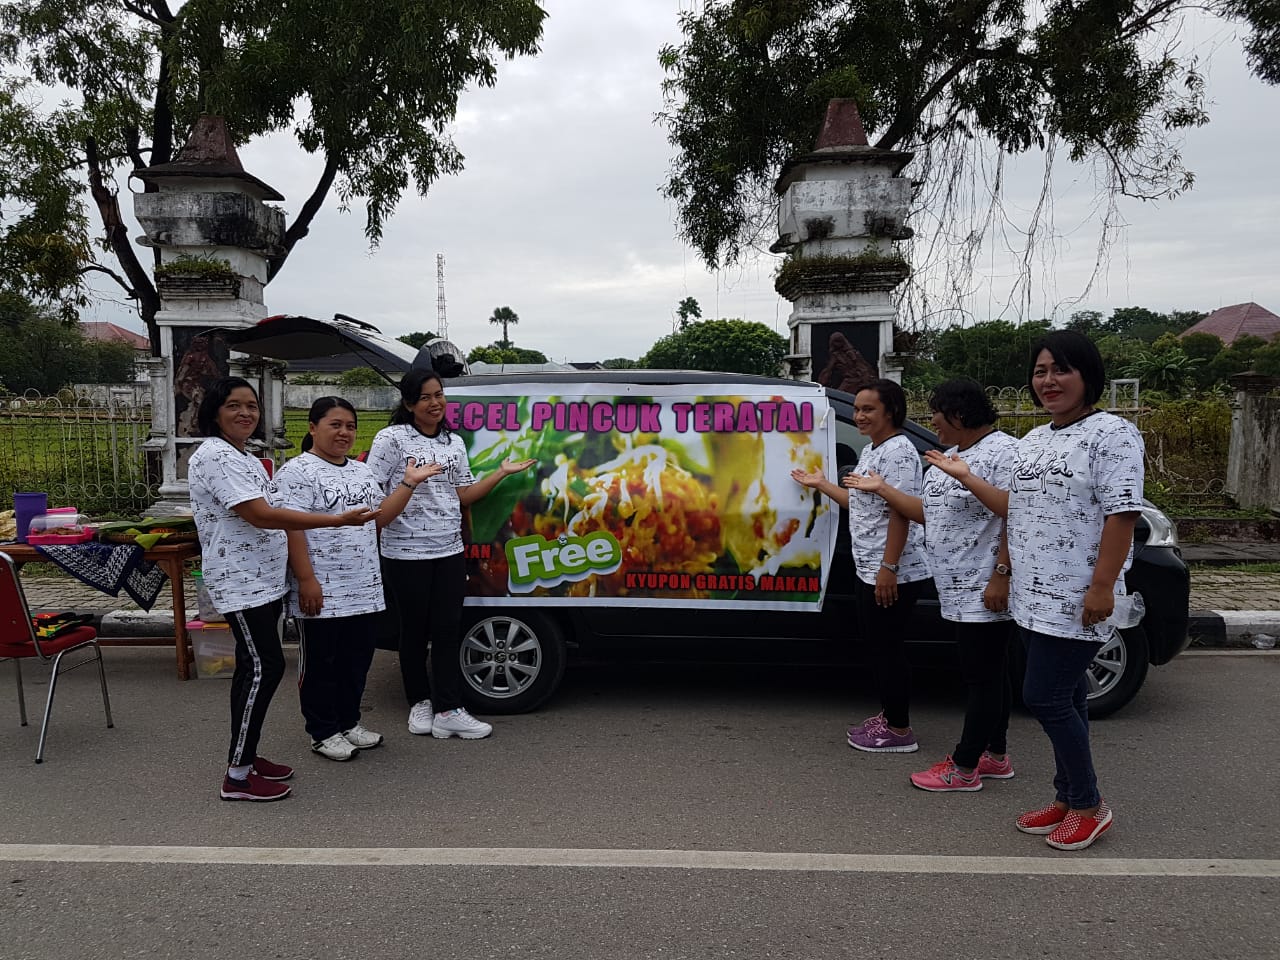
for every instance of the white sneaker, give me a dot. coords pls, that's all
(336, 747)
(361, 738)
(459, 723)
(420, 717)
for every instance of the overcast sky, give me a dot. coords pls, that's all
(558, 213)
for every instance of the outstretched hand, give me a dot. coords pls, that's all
(950, 464)
(510, 467)
(357, 517)
(415, 472)
(869, 482)
(812, 479)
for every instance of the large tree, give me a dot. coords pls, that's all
(370, 88)
(747, 88)
(732, 346)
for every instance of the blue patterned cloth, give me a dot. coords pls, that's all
(110, 568)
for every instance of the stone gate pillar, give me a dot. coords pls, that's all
(216, 236)
(842, 208)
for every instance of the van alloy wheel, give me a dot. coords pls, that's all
(511, 663)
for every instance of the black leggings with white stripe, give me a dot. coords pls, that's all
(259, 669)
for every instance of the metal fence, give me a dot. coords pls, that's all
(88, 452)
(1187, 441)
(82, 452)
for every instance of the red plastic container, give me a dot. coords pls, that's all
(59, 526)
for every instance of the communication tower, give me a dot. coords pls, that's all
(442, 320)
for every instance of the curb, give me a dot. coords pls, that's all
(1231, 628)
(1207, 628)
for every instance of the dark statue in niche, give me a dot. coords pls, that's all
(845, 368)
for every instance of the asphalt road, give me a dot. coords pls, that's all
(661, 812)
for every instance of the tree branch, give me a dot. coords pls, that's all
(141, 13)
(124, 284)
(906, 117)
(302, 223)
(131, 144)
(1142, 23)
(117, 237)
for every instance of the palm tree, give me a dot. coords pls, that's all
(504, 317)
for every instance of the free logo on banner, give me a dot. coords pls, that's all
(538, 562)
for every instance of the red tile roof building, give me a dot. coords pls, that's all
(101, 330)
(1230, 323)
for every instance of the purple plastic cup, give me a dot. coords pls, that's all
(26, 506)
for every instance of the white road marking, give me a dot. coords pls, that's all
(1085, 866)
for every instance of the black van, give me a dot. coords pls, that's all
(513, 657)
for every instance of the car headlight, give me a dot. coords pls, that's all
(1160, 529)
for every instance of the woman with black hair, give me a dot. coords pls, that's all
(422, 549)
(888, 556)
(242, 538)
(335, 582)
(969, 559)
(1075, 492)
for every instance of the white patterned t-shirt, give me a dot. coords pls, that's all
(1063, 486)
(345, 559)
(961, 536)
(430, 527)
(243, 566)
(897, 460)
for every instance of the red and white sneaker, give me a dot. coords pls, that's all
(1043, 821)
(253, 787)
(989, 768)
(1077, 832)
(944, 776)
(271, 771)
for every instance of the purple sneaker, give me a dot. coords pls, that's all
(871, 723)
(883, 740)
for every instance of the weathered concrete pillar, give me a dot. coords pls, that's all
(843, 206)
(1253, 472)
(216, 237)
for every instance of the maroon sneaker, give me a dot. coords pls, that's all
(253, 787)
(271, 771)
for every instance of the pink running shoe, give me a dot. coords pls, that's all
(1077, 832)
(1043, 821)
(871, 723)
(945, 776)
(883, 740)
(989, 768)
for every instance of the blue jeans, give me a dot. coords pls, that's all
(1054, 690)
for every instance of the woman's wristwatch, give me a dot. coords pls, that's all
(1003, 569)
(891, 567)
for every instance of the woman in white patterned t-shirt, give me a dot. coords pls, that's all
(1073, 501)
(888, 557)
(969, 559)
(244, 554)
(423, 562)
(335, 583)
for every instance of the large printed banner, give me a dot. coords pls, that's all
(649, 494)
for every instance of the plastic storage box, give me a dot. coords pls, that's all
(215, 649)
(59, 526)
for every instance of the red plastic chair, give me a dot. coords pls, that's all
(18, 641)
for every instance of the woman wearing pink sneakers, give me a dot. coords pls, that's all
(969, 560)
(1073, 500)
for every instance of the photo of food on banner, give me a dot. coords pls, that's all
(668, 497)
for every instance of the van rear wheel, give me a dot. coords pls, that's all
(511, 662)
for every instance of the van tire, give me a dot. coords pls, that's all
(512, 660)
